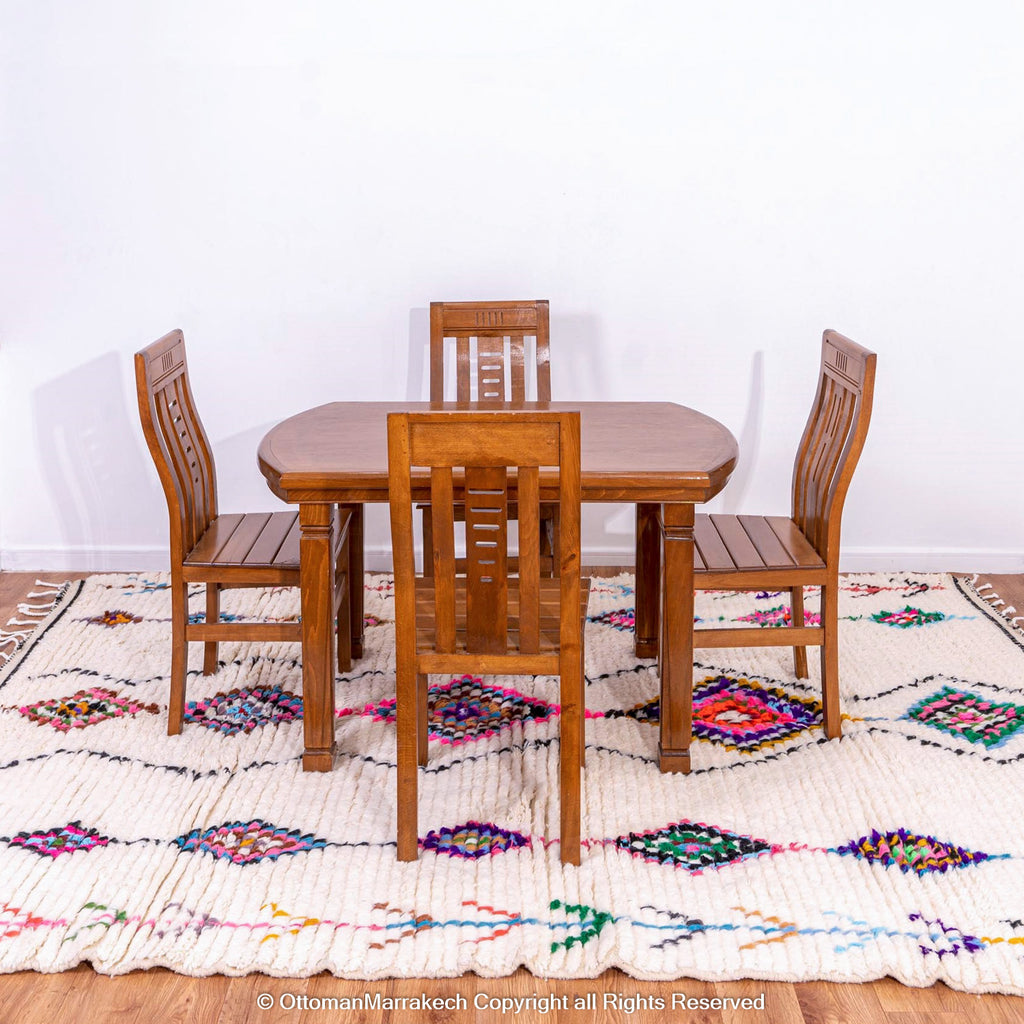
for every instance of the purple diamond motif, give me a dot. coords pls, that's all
(747, 716)
(473, 839)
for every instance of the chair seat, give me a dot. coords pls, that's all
(267, 540)
(254, 544)
(549, 593)
(729, 546)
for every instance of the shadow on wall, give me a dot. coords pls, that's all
(105, 490)
(749, 440)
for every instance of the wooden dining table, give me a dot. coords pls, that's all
(662, 457)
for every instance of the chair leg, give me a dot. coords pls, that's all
(583, 705)
(179, 657)
(422, 718)
(210, 664)
(796, 604)
(344, 627)
(830, 660)
(570, 736)
(428, 542)
(549, 544)
(407, 715)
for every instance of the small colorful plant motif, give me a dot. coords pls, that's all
(907, 617)
(84, 708)
(114, 618)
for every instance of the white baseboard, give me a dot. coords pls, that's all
(378, 559)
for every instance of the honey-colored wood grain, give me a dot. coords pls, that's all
(338, 453)
(482, 329)
(247, 549)
(481, 608)
(80, 994)
(751, 552)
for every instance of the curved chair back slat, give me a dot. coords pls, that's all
(832, 441)
(177, 440)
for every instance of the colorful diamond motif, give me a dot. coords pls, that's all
(966, 714)
(747, 716)
(84, 708)
(693, 845)
(114, 618)
(69, 838)
(473, 839)
(245, 709)
(780, 615)
(465, 710)
(907, 617)
(248, 842)
(623, 619)
(909, 852)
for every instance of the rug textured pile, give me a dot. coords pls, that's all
(898, 850)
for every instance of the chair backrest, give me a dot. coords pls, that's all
(485, 447)
(832, 441)
(177, 441)
(481, 330)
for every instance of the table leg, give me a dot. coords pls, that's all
(648, 581)
(316, 521)
(676, 657)
(357, 588)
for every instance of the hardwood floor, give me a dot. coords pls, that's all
(159, 995)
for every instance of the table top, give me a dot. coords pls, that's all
(631, 451)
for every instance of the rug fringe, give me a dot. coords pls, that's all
(14, 640)
(998, 605)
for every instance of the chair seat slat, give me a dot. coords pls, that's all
(271, 540)
(240, 543)
(741, 549)
(709, 545)
(214, 539)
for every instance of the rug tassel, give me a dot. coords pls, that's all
(14, 640)
(996, 603)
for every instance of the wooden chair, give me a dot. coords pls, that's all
(480, 330)
(486, 622)
(223, 551)
(780, 553)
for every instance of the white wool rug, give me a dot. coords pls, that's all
(898, 850)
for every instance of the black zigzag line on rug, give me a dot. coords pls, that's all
(931, 680)
(975, 755)
(64, 602)
(751, 760)
(970, 594)
(753, 677)
(124, 759)
(194, 673)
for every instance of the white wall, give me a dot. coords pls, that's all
(699, 189)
